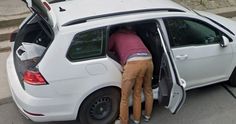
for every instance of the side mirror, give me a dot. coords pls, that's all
(225, 41)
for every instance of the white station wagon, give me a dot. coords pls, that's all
(60, 67)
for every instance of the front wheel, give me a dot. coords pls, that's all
(101, 107)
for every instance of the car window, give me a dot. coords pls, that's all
(186, 32)
(87, 44)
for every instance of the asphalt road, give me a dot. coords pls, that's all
(208, 105)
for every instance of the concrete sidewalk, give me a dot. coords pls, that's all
(12, 8)
(12, 12)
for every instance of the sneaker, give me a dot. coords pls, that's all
(134, 121)
(146, 118)
(117, 122)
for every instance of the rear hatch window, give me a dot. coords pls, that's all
(31, 43)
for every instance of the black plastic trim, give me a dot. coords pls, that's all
(56, 1)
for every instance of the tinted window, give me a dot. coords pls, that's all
(185, 32)
(87, 44)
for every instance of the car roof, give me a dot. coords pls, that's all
(80, 9)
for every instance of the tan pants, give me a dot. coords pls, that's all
(137, 74)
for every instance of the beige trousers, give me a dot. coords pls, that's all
(137, 74)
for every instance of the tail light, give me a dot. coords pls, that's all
(13, 35)
(34, 78)
(47, 5)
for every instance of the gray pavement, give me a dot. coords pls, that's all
(4, 87)
(207, 105)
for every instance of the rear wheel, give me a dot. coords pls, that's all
(101, 107)
(232, 79)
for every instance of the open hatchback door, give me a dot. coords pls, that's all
(171, 87)
(43, 9)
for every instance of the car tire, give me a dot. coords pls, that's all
(232, 79)
(101, 107)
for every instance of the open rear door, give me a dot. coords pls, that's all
(43, 9)
(171, 87)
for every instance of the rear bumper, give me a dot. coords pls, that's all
(52, 109)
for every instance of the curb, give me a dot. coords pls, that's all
(227, 12)
(11, 22)
(5, 33)
(4, 36)
(5, 49)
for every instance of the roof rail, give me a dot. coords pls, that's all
(82, 20)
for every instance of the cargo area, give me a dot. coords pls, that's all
(31, 42)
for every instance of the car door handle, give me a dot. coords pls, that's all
(181, 57)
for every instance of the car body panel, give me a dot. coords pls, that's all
(27, 102)
(192, 53)
(199, 68)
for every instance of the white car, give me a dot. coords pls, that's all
(60, 67)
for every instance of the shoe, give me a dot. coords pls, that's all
(117, 122)
(146, 118)
(134, 121)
